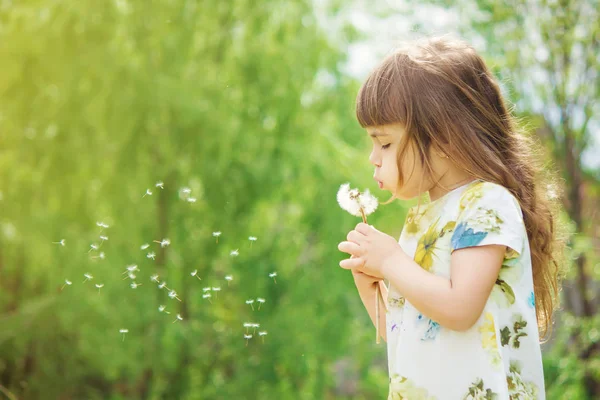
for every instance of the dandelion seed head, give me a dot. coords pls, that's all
(206, 295)
(249, 301)
(94, 246)
(229, 278)
(159, 184)
(247, 336)
(144, 246)
(206, 289)
(272, 274)
(151, 255)
(216, 234)
(99, 285)
(194, 272)
(123, 330)
(88, 276)
(154, 278)
(216, 289)
(162, 285)
(263, 333)
(165, 243)
(131, 275)
(102, 225)
(248, 324)
(172, 294)
(134, 285)
(234, 253)
(191, 200)
(148, 192)
(179, 317)
(161, 308)
(260, 300)
(255, 325)
(68, 282)
(105, 238)
(252, 238)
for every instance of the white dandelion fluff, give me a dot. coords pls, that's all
(251, 302)
(163, 243)
(67, 283)
(163, 285)
(173, 295)
(191, 200)
(216, 234)
(159, 184)
(99, 286)
(261, 301)
(359, 204)
(61, 242)
(123, 331)
(154, 278)
(135, 285)
(144, 246)
(179, 318)
(234, 253)
(103, 238)
(148, 193)
(151, 255)
(88, 277)
(273, 275)
(162, 308)
(195, 273)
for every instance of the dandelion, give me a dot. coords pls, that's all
(191, 200)
(356, 203)
(101, 256)
(252, 239)
(159, 184)
(262, 334)
(99, 286)
(67, 283)
(207, 296)
(144, 246)
(216, 289)
(61, 242)
(186, 190)
(261, 301)
(88, 277)
(163, 285)
(162, 308)
(255, 326)
(195, 273)
(163, 243)
(135, 285)
(206, 289)
(103, 238)
(360, 205)
(217, 234)
(154, 278)
(228, 278)
(93, 247)
(273, 275)
(234, 253)
(173, 295)
(248, 325)
(251, 302)
(179, 318)
(123, 331)
(247, 337)
(148, 193)
(151, 255)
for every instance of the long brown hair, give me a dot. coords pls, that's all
(445, 96)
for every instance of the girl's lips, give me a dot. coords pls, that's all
(380, 184)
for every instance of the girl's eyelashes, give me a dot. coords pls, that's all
(385, 146)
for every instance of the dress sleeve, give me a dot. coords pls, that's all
(489, 214)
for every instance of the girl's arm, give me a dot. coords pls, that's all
(454, 303)
(366, 289)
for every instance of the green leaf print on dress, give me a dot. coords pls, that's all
(510, 337)
(517, 389)
(402, 388)
(478, 392)
(489, 341)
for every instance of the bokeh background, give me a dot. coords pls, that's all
(250, 106)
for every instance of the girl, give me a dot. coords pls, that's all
(473, 279)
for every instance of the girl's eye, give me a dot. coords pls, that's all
(385, 146)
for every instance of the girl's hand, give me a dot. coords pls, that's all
(362, 279)
(369, 249)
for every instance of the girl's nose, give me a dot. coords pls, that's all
(373, 159)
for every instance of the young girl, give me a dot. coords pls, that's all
(473, 278)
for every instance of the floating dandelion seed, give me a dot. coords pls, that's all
(248, 325)
(131, 268)
(163, 285)
(173, 295)
(179, 318)
(234, 253)
(162, 309)
(206, 289)
(252, 239)
(103, 238)
(135, 285)
(151, 255)
(163, 243)
(99, 286)
(195, 273)
(101, 256)
(186, 190)
(148, 193)
(144, 246)
(88, 277)
(159, 184)
(360, 205)
(261, 301)
(217, 234)
(251, 302)
(123, 331)
(67, 283)
(131, 276)
(102, 225)
(93, 247)
(262, 334)
(216, 289)
(61, 242)
(273, 275)
(154, 278)
(207, 296)
(247, 337)
(255, 326)
(191, 200)
(228, 278)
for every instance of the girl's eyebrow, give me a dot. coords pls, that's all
(375, 134)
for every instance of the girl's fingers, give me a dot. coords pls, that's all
(352, 263)
(354, 236)
(349, 247)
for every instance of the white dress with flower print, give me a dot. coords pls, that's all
(499, 357)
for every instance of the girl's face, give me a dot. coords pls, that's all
(386, 144)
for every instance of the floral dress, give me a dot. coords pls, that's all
(499, 357)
